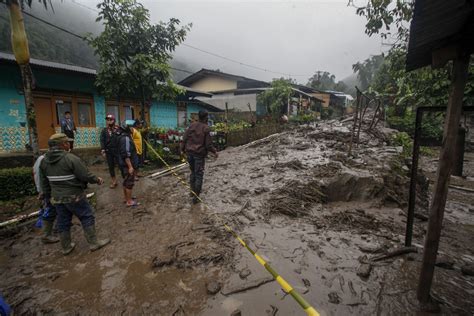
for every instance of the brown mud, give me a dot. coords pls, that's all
(316, 215)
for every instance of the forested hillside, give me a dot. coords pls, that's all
(49, 43)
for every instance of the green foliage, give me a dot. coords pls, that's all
(404, 91)
(47, 43)
(323, 80)
(234, 126)
(16, 182)
(327, 113)
(133, 53)
(404, 140)
(304, 118)
(276, 99)
(389, 18)
(367, 69)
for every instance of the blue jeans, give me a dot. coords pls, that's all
(196, 164)
(81, 209)
(49, 211)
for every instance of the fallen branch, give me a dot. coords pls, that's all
(167, 171)
(24, 217)
(461, 188)
(394, 253)
(248, 286)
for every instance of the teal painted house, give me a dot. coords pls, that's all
(60, 88)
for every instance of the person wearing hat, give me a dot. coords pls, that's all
(128, 161)
(197, 144)
(63, 178)
(109, 146)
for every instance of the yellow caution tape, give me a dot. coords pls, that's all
(283, 284)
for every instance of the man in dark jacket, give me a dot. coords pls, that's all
(68, 127)
(197, 144)
(109, 146)
(64, 178)
(127, 160)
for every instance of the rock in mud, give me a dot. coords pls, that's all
(364, 270)
(261, 190)
(468, 269)
(353, 186)
(444, 262)
(306, 282)
(237, 312)
(334, 298)
(370, 248)
(161, 262)
(213, 287)
(245, 273)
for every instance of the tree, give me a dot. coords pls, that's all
(276, 99)
(133, 53)
(322, 80)
(367, 69)
(22, 56)
(405, 90)
(385, 15)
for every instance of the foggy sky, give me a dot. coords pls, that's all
(291, 37)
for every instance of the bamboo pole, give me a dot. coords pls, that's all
(460, 72)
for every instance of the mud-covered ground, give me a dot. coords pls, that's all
(316, 215)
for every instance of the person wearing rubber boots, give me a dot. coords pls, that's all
(64, 178)
(197, 144)
(49, 212)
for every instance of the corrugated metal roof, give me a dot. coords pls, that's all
(205, 72)
(437, 24)
(50, 64)
(258, 90)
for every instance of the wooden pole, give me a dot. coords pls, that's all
(358, 98)
(460, 71)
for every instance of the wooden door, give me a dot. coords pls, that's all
(44, 120)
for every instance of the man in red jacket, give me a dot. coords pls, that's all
(197, 144)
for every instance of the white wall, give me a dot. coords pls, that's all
(235, 102)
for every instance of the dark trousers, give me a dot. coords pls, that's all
(81, 209)
(112, 161)
(196, 164)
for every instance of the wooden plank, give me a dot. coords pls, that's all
(460, 73)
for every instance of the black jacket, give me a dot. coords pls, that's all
(126, 149)
(109, 139)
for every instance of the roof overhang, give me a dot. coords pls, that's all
(10, 58)
(439, 27)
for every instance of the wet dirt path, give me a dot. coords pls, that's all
(316, 215)
(121, 278)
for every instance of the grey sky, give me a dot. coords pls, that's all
(291, 37)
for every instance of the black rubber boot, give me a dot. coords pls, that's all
(91, 237)
(66, 243)
(48, 237)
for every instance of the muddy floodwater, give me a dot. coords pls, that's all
(323, 220)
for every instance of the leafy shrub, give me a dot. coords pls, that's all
(327, 113)
(16, 182)
(404, 140)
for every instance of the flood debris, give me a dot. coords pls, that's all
(295, 199)
(213, 287)
(364, 270)
(394, 253)
(468, 269)
(238, 288)
(334, 298)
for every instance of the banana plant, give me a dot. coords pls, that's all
(22, 55)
